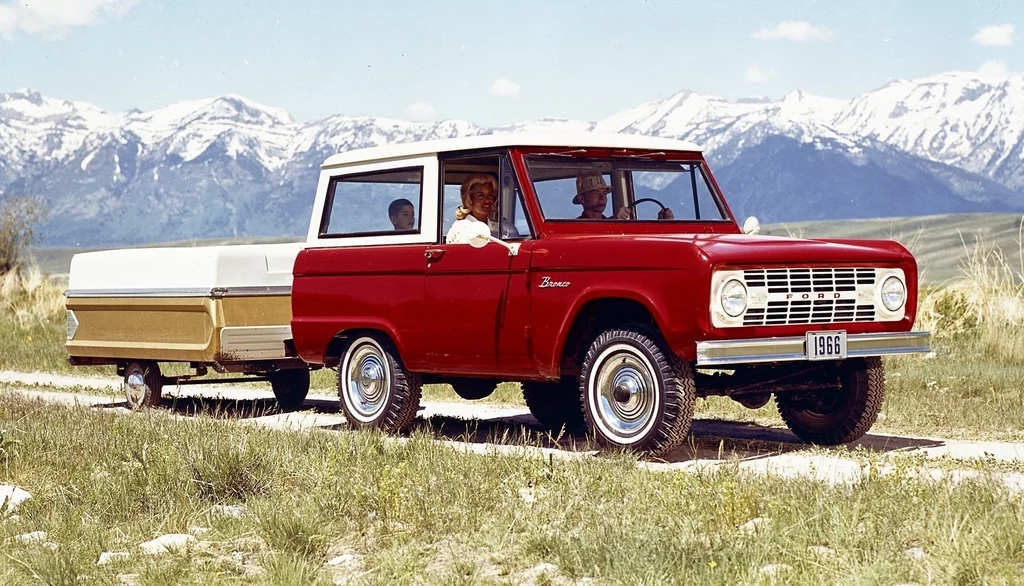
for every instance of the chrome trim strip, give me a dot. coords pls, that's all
(214, 293)
(754, 350)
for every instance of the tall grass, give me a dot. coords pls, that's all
(980, 314)
(29, 298)
(420, 512)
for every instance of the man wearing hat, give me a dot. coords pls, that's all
(592, 193)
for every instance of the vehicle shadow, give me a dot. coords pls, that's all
(709, 439)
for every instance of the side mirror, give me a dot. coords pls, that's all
(751, 225)
(482, 235)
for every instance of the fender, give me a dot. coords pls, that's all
(550, 365)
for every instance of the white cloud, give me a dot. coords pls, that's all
(53, 19)
(420, 112)
(797, 31)
(998, 35)
(755, 74)
(994, 69)
(504, 87)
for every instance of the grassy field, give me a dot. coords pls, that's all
(323, 507)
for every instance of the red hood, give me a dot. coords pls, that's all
(741, 249)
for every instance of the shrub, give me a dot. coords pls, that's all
(18, 218)
(28, 297)
(983, 309)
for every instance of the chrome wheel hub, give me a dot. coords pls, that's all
(368, 381)
(624, 393)
(135, 388)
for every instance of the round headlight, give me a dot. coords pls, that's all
(733, 298)
(894, 293)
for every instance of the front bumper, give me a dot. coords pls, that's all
(724, 352)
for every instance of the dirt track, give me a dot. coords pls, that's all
(471, 426)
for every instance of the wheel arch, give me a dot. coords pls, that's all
(593, 315)
(337, 345)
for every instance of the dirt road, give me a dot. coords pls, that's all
(472, 427)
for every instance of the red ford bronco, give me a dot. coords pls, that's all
(606, 273)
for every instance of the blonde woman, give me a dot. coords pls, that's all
(479, 201)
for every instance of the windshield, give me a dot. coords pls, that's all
(614, 189)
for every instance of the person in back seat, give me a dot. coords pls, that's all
(402, 214)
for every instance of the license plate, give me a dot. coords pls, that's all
(826, 345)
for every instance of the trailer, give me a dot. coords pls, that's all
(221, 308)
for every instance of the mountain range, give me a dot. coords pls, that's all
(230, 167)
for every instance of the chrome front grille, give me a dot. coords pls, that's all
(818, 295)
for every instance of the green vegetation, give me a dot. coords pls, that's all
(418, 511)
(19, 216)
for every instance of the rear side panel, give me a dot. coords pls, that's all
(185, 329)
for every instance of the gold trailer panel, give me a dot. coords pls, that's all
(225, 304)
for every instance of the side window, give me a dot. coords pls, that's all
(452, 200)
(707, 204)
(481, 174)
(514, 223)
(374, 203)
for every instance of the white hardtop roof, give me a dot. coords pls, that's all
(485, 141)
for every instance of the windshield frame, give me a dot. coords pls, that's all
(625, 157)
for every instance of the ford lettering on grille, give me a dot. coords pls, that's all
(819, 295)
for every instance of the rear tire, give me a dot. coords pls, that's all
(290, 387)
(556, 405)
(636, 394)
(375, 389)
(473, 389)
(143, 384)
(838, 416)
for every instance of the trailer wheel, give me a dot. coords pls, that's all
(290, 387)
(375, 389)
(636, 394)
(831, 417)
(143, 384)
(556, 405)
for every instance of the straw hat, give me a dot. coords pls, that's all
(587, 181)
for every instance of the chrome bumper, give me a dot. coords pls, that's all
(721, 352)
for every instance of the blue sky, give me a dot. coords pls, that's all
(489, 62)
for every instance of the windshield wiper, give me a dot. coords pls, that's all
(561, 154)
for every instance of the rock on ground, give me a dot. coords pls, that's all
(166, 543)
(110, 556)
(10, 497)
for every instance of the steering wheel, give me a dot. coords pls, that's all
(643, 199)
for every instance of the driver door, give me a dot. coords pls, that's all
(477, 300)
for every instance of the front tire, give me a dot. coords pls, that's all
(831, 417)
(635, 394)
(143, 384)
(375, 389)
(290, 387)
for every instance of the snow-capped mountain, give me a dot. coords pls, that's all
(954, 118)
(227, 166)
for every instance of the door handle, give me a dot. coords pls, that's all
(434, 254)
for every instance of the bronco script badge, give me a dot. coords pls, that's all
(546, 282)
